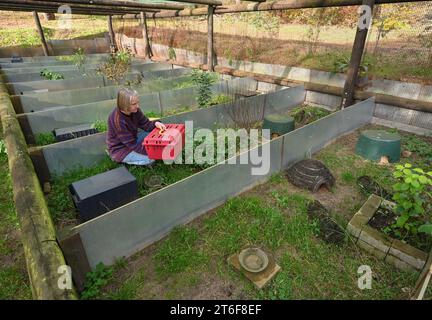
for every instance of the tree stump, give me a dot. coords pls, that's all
(374, 144)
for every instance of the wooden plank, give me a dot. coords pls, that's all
(356, 58)
(41, 33)
(147, 48)
(210, 50)
(113, 46)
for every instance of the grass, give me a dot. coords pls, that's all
(44, 138)
(274, 217)
(14, 282)
(18, 29)
(311, 269)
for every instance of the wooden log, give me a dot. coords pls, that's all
(41, 33)
(115, 3)
(356, 58)
(42, 252)
(147, 48)
(210, 50)
(267, 6)
(113, 46)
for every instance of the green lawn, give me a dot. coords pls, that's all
(191, 263)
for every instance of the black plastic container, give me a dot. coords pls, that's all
(103, 192)
(69, 133)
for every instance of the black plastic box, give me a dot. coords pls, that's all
(69, 133)
(103, 192)
(16, 59)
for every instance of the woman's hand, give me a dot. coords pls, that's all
(160, 126)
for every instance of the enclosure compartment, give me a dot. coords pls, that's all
(103, 192)
(374, 144)
(64, 134)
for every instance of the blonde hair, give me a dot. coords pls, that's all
(124, 98)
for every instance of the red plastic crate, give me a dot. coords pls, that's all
(165, 145)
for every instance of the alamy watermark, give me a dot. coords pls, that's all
(204, 146)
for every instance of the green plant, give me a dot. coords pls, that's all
(203, 81)
(101, 126)
(117, 66)
(418, 146)
(79, 59)
(95, 280)
(341, 65)
(171, 54)
(413, 200)
(220, 99)
(44, 138)
(3, 150)
(50, 75)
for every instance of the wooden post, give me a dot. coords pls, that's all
(41, 34)
(356, 58)
(147, 49)
(210, 39)
(113, 46)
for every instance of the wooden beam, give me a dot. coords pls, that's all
(210, 50)
(126, 4)
(423, 280)
(356, 58)
(147, 49)
(53, 6)
(270, 5)
(207, 2)
(41, 33)
(113, 46)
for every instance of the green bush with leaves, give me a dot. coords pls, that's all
(44, 138)
(95, 280)
(79, 59)
(413, 200)
(101, 126)
(117, 66)
(203, 80)
(171, 53)
(50, 75)
(3, 149)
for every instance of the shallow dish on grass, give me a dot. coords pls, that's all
(253, 260)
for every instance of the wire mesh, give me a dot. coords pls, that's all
(399, 45)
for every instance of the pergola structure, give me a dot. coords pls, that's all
(136, 9)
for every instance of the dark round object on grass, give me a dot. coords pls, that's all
(310, 174)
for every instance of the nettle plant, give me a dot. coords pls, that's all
(117, 66)
(50, 75)
(203, 80)
(413, 200)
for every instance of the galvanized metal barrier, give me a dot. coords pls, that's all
(128, 229)
(58, 158)
(158, 102)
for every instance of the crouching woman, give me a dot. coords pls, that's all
(123, 139)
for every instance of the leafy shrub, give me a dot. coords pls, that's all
(203, 81)
(171, 54)
(117, 66)
(44, 138)
(95, 280)
(3, 149)
(50, 75)
(101, 126)
(79, 59)
(413, 200)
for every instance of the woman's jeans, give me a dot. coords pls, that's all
(136, 158)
